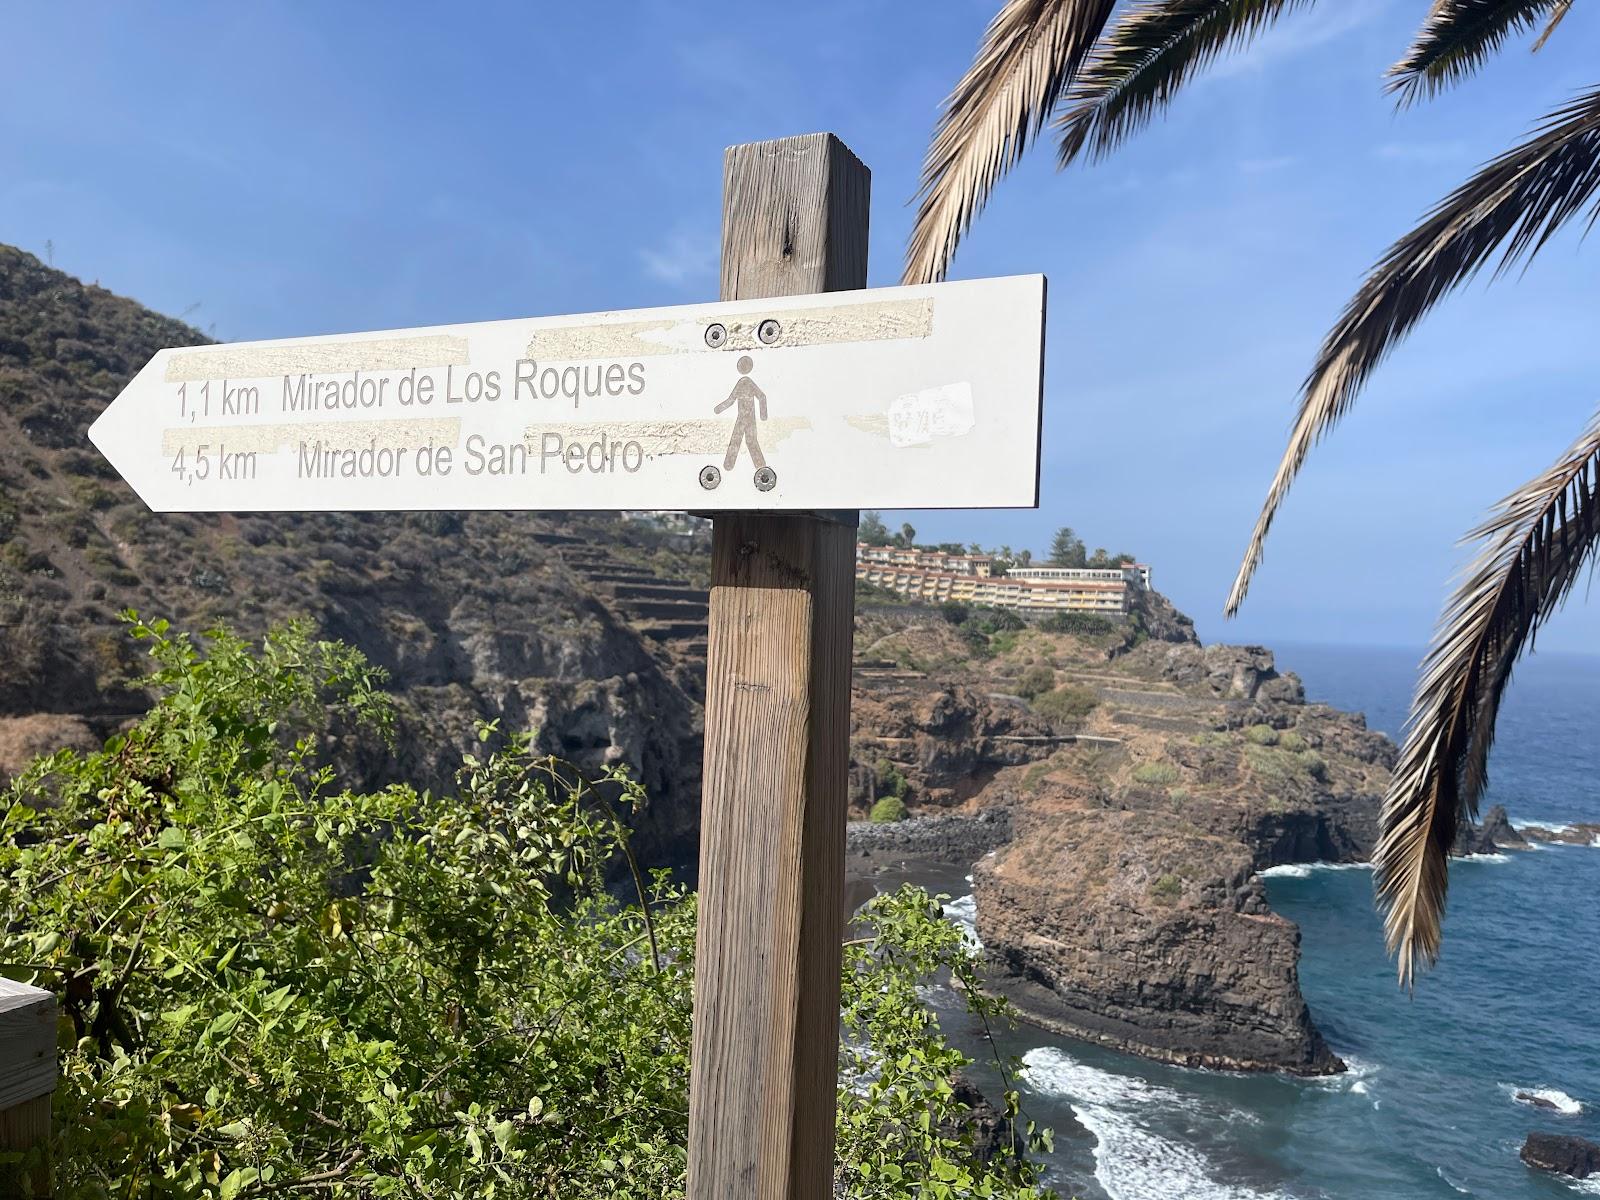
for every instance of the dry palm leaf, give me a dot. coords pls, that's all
(1519, 199)
(1146, 57)
(1459, 35)
(1534, 547)
(1561, 9)
(1029, 55)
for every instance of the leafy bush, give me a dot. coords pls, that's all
(1067, 705)
(1080, 624)
(889, 779)
(1292, 741)
(1036, 681)
(1155, 773)
(1261, 735)
(270, 985)
(888, 810)
(954, 612)
(1168, 888)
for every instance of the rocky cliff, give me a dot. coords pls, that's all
(476, 616)
(1131, 789)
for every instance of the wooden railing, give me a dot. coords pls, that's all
(27, 1078)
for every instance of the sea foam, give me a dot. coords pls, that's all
(1564, 1103)
(963, 912)
(1133, 1161)
(1303, 870)
(1548, 826)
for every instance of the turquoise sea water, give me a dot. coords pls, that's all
(1427, 1109)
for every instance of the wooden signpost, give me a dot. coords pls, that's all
(785, 408)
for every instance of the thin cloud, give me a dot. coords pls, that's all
(1422, 152)
(1294, 35)
(1261, 166)
(683, 258)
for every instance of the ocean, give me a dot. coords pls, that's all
(1427, 1108)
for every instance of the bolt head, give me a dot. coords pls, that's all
(769, 331)
(710, 477)
(716, 335)
(766, 479)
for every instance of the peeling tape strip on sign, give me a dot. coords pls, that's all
(318, 358)
(876, 321)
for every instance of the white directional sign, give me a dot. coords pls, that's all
(916, 397)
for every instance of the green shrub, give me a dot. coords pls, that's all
(1156, 773)
(278, 986)
(889, 779)
(954, 612)
(888, 810)
(1035, 681)
(1316, 766)
(1068, 704)
(1261, 735)
(1169, 887)
(1080, 624)
(1292, 741)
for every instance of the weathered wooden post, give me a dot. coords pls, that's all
(27, 1073)
(777, 720)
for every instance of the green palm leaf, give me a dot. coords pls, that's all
(1146, 57)
(1028, 56)
(1518, 200)
(1459, 35)
(1534, 548)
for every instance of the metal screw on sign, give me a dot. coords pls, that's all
(710, 477)
(716, 337)
(769, 331)
(766, 478)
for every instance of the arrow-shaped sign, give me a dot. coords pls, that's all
(917, 397)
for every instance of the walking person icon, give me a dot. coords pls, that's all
(745, 394)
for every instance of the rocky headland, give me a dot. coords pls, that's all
(1119, 794)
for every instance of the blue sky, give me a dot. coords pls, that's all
(310, 168)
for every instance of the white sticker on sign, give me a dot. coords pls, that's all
(917, 418)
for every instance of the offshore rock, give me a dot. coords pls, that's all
(1562, 1154)
(1495, 834)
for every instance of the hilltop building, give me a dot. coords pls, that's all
(935, 577)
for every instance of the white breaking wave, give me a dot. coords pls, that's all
(1550, 826)
(1303, 870)
(1132, 1160)
(1352, 1079)
(963, 912)
(1486, 858)
(1564, 1103)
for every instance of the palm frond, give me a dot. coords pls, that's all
(1456, 39)
(1534, 547)
(1029, 55)
(1519, 200)
(1146, 57)
(1557, 15)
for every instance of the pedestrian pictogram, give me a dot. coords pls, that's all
(747, 396)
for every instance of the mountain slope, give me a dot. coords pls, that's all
(476, 615)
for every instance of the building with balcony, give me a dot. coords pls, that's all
(973, 582)
(912, 559)
(1137, 574)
